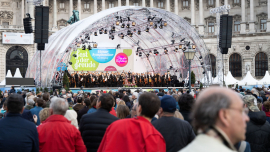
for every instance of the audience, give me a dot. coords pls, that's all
(44, 114)
(122, 111)
(93, 106)
(84, 110)
(37, 109)
(185, 103)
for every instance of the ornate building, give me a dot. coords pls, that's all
(250, 49)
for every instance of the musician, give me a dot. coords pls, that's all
(77, 79)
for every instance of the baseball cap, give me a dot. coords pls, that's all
(168, 104)
(251, 103)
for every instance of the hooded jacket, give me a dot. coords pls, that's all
(258, 132)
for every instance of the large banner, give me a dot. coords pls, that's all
(102, 60)
(17, 38)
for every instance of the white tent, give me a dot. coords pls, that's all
(9, 75)
(265, 80)
(229, 80)
(215, 81)
(248, 80)
(3, 82)
(17, 73)
(204, 80)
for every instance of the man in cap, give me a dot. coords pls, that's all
(176, 132)
(258, 129)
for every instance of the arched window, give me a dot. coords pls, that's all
(17, 57)
(261, 64)
(235, 65)
(213, 64)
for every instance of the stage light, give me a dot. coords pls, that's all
(175, 50)
(95, 45)
(70, 63)
(134, 30)
(67, 51)
(176, 71)
(75, 55)
(183, 40)
(133, 23)
(139, 32)
(147, 55)
(83, 47)
(140, 54)
(78, 44)
(113, 28)
(165, 51)
(150, 52)
(149, 18)
(112, 37)
(165, 24)
(147, 29)
(138, 48)
(184, 49)
(188, 43)
(155, 26)
(128, 18)
(161, 26)
(172, 41)
(137, 54)
(118, 46)
(105, 31)
(128, 25)
(123, 25)
(202, 63)
(200, 57)
(117, 23)
(171, 67)
(151, 23)
(100, 31)
(95, 33)
(203, 72)
(180, 46)
(193, 46)
(128, 32)
(89, 47)
(88, 37)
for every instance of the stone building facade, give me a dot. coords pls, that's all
(250, 49)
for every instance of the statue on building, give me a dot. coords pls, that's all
(74, 18)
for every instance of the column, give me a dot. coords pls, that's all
(127, 2)
(251, 22)
(225, 2)
(217, 3)
(243, 16)
(268, 21)
(71, 7)
(168, 5)
(201, 24)
(103, 5)
(22, 11)
(192, 7)
(95, 6)
(176, 7)
(119, 3)
(216, 28)
(143, 3)
(54, 14)
(79, 9)
(151, 3)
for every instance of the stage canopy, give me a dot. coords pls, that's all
(160, 31)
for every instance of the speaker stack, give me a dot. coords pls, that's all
(225, 37)
(27, 25)
(41, 26)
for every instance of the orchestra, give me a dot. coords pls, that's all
(91, 79)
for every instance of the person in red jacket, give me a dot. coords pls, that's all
(135, 134)
(56, 134)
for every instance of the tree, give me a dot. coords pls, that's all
(66, 81)
(37, 90)
(193, 79)
(45, 89)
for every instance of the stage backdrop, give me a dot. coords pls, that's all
(102, 60)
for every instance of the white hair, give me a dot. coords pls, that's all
(59, 106)
(30, 102)
(69, 95)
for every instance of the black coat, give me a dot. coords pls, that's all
(81, 113)
(93, 127)
(258, 132)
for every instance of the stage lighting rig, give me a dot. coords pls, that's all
(165, 24)
(123, 25)
(101, 31)
(118, 46)
(147, 55)
(112, 37)
(117, 23)
(193, 46)
(171, 67)
(137, 54)
(180, 46)
(138, 48)
(175, 50)
(128, 26)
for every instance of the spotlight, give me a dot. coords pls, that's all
(123, 25)
(128, 25)
(95, 33)
(151, 23)
(66, 51)
(113, 28)
(112, 37)
(171, 67)
(165, 24)
(188, 43)
(147, 55)
(89, 47)
(161, 26)
(139, 32)
(180, 46)
(75, 55)
(122, 36)
(150, 52)
(100, 31)
(203, 72)
(88, 37)
(118, 46)
(147, 29)
(128, 18)
(95, 45)
(202, 63)
(70, 63)
(137, 54)
(149, 18)
(140, 54)
(200, 57)
(133, 23)
(165, 51)
(138, 48)
(193, 46)
(128, 32)
(83, 47)
(172, 41)
(134, 30)
(117, 23)
(176, 71)
(105, 31)
(184, 49)
(182, 40)
(155, 26)
(176, 49)
(78, 44)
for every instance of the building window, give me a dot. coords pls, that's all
(185, 3)
(263, 25)
(236, 26)
(210, 2)
(236, 1)
(111, 4)
(160, 5)
(213, 64)
(135, 4)
(235, 65)
(86, 6)
(261, 64)
(5, 23)
(211, 27)
(62, 5)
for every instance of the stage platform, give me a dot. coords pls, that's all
(132, 89)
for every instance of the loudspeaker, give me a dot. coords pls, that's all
(41, 46)
(41, 24)
(57, 87)
(225, 36)
(27, 25)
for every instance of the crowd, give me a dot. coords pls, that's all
(209, 120)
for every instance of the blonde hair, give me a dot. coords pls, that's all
(177, 114)
(121, 102)
(44, 114)
(122, 111)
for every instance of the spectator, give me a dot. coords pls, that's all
(56, 134)
(71, 115)
(220, 120)
(98, 120)
(29, 104)
(12, 90)
(122, 111)
(79, 105)
(127, 102)
(93, 105)
(133, 112)
(266, 106)
(258, 129)
(176, 97)
(44, 114)
(16, 133)
(177, 114)
(84, 110)
(176, 132)
(46, 98)
(70, 99)
(185, 103)
(138, 134)
(4, 109)
(4, 99)
(37, 109)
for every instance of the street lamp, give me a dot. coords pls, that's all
(189, 54)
